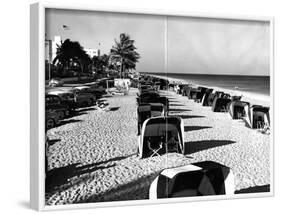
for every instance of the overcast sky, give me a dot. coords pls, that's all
(195, 45)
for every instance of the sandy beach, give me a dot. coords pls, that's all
(93, 155)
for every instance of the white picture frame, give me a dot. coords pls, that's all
(37, 109)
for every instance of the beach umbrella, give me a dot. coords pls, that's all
(197, 179)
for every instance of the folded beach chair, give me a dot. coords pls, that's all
(257, 117)
(144, 112)
(220, 104)
(161, 135)
(197, 179)
(237, 109)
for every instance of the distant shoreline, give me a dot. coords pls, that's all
(199, 74)
(252, 98)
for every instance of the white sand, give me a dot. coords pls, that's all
(103, 145)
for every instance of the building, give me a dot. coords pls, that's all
(57, 41)
(92, 52)
(51, 49)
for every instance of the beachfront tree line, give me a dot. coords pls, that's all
(72, 60)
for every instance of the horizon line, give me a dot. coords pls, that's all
(204, 74)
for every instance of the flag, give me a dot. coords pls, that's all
(65, 27)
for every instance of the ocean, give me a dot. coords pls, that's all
(252, 84)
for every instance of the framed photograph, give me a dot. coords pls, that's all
(138, 107)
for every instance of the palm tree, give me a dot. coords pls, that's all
(100, 63)
(69, 52)
(124, 52)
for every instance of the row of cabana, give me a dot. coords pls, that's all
(159, 134)
(255, 116)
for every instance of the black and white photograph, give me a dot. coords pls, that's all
(151, 107)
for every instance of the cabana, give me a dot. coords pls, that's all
(237, 109)
(257, 117)
(220, 104)
(161, 135)
(144, 112)
(164, 84)
(213, 96)
(157, 109)
(146, 89)
(171, 86)
(197, 179)
(185, 89)
(192, 93)
(236, 98)
(205, 98)
(199, 94)
(147, 96)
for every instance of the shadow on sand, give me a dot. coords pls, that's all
(195, 128)
(64, 122)
(197, 146)
(188, 116)
(114, 108)
(178, 109)
(137, 189)
(52, 142)
(85, 109)
(173, 104)
(59, 177)
(76, 114)
(255, 189)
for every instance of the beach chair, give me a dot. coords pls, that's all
(257, 117)
(161, 135)
(205, 98)
(199, 94)
(164, 84)
(197, 179)
(220, 104)
(157, 109)
(237, 109)
(171, 87)
(236, 98)
(155, 145)
(191, 94)
(184, 90)
(148, 96)
(144, 112)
